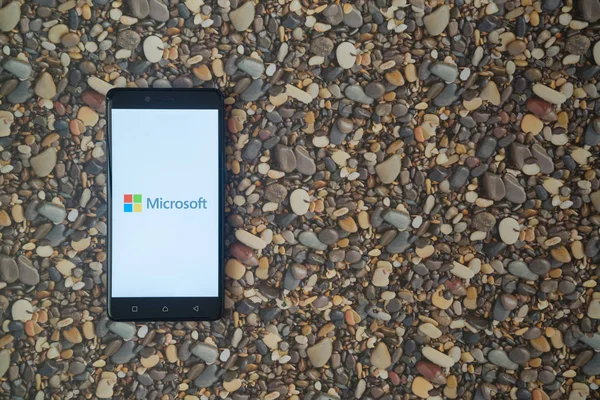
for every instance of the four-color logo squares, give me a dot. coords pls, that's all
(133, 203)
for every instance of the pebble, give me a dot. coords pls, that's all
(346, 55)
(9, 16)
(389, 170)
(242, 17)
(44, 163)
(250, 240)
(320, 353)
(153, 49)
(45, 87)
(437, 357)
(500, 358)
(299, 201)
(437, 21)
(509, 230)
(550, 95)
(206, 352)
(21, 310)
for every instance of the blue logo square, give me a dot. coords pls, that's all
(128, 207)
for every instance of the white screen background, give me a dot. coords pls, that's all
(171, 154)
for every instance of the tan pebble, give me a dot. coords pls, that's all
(217, 68)
(363, 220)
(491, 93)
(171, 353)
(202, 72)
(88, 330)
(380, 357)
(540, 344)
(531, 124)
(233, 385)
(410, 72)
(88, 116)
(430, 330)
(348, 224)
(151, 361)
(421, 387)
(437, 357)
(395, 77)
(17, 213)
(351, 317)
(4, 218)
(73, 335)
(438, 300)
(561, 254)
(234, 269)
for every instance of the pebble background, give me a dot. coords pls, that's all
(413, 199)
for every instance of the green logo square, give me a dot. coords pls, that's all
(137, 198)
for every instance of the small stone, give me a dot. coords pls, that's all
(73, 335)
(484, 222)
(437, 357)
(10, 16)
(9, 271)
(242, 17)
(550, 95)
(437, 21)
(389, 170)
(320, 353)
(397, 218)
(299, 201)
(250, 240)
(509, 230)
(540, 344)
(20, 69)
(321, 46)
(206, 352)
(45, 87)
(590, 10)
(380, 357)
(577, 44)
(594, 309)
(561, 254)
(421, 387)
(106, 384)
(310, 239)
(357, 93)
(4, 356)
(158, 10)
(28, 275)
(234, 269)
(596, 52)
(499, 358)
(286, 158)
(520, 270)
(253, 67)
(44, 163)
(208, 377)
(22, 310)
(491, 93)
(153, 49)
(6, 121)
(446, 71)
(139, 8)
(298, 94)
(346, 55)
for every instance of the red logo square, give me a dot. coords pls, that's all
(128, 198)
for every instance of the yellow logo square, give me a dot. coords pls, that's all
(137, 208)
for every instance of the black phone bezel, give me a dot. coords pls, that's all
(178, 308)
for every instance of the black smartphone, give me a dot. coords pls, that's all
(165, 204)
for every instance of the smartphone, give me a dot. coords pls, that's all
(165, 204)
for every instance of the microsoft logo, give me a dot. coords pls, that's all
(133, 203)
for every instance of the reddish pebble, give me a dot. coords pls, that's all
(394, 378)
(94, 100)
(243, 253)
(59, 108)
(76, 127)
(538, 106)
(432, 372)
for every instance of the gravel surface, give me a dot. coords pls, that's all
(413, 199)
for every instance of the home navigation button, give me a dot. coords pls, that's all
(165, 309)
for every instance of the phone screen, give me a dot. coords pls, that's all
(164, 201)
